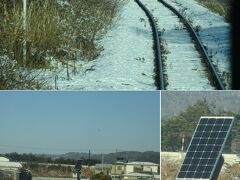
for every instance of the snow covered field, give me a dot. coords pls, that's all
(127, 62)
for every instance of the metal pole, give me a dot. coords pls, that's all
(116, 163)
(25, 29)
(78, 175)
(102, 162)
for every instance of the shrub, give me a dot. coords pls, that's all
(101, 176)
(61, 30)
(14, 77)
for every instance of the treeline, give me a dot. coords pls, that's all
(184, 124)
(32, 158)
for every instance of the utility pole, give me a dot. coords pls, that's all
(89, 157)
(78, 168)
(182, 147)
(116, 163)
(102, 161)
(25, 30)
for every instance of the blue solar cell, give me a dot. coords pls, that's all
(181, 174)
(206, 134)
(206, 175)
(190, 154)
(220, 121)
(198, 175)
(195, 141)
(227, 122)
(203, 141)
(209, 148)
(203, 121)
(190, 174)
(219, 141)
(209, 128)
(198, 155)
(211, 141)
(192, 168)
(222, 135)
(217, 128)
(214, 135)
(224, 128)
(211, 161)
(187, 161)
(201, 127)
(211, 121)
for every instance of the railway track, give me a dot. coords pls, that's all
(182, 62)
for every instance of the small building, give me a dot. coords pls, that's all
(104, 168)
(135, 170)
(9, 169)
(141, 167)
(118, 169)
(6, 164)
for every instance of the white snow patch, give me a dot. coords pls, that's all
(127, 62)
(214, 33)
(184, 67)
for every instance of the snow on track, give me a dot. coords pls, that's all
(184, 67)
(214, 33)
(127, 62)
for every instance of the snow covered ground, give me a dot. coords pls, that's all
(127, 62)
(184, 67)
(214, 33)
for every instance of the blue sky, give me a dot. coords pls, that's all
(59, 122)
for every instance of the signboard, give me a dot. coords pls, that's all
(78, 165)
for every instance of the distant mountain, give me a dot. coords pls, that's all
(175, 102)
(149, 156)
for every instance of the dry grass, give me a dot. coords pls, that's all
(222, 7)
(170, 168)
(88, 31)
(230, 172)
(66, 33)
(55, 171)
(7, 175)
(49, 171)
(13, 77)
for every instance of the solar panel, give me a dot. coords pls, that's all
(203, 159)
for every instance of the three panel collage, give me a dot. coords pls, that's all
(119, 90)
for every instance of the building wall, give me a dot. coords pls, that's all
(141, 168)
(129, 169)
(117, 169)
(153, 169)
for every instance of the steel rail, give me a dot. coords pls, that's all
(158, 57)
(216, 78)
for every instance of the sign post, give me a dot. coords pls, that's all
(78, 168)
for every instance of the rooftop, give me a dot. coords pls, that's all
(3, 159)
(142, 163)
